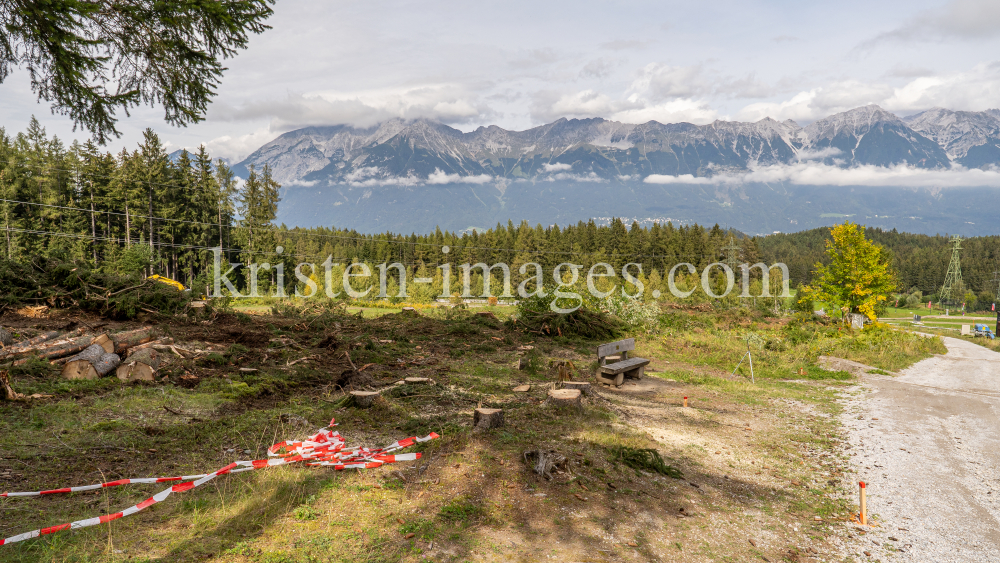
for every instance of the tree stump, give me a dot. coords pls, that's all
(522, 388)
(418, 380)
(583, 386)
(363, 399)
(141, 366)
(522, 363)
(487, 419)
(487, 314)
(81, 366)
(5, 338)
(566, 398)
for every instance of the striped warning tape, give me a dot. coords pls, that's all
(325, 448)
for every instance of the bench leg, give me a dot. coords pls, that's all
(616, 381)
(636, 373)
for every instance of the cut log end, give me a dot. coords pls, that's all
(582, 386)
(141, 366)
(487, 419)
(364, 399)
(566, 398)
(79, 369)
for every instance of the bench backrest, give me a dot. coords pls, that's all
(612, 348)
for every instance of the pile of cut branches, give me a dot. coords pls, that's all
(534, 315)
(59, 284)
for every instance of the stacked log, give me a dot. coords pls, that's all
(140, 366)
(93, 362)
(130, 339)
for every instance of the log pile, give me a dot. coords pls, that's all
(87, 356)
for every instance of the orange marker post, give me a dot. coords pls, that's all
(863, 516)
(685, 402)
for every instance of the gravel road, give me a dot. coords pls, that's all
(928, 444)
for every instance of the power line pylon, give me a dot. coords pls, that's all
(732, 256)
(953, 278)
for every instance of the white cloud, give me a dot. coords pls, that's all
(963, 19)
(818, 154)
(675, 111)
(237, 148)
(447, 103)
(819, 102)
(556, 167)
(975, 89)
(658, 82)
(816, 174)
(440, 177)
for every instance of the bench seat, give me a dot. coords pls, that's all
(624, 366)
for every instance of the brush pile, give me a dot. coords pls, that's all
(59, 284)
(535, 315)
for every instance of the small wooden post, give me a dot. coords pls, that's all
(685, 402)
(863, 516)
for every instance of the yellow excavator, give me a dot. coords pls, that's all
(174, 284)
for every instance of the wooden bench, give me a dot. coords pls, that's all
(616, 372)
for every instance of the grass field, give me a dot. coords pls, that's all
(756, 459)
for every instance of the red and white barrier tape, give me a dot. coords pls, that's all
(325, 448)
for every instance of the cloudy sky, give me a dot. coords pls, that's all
(519, 64)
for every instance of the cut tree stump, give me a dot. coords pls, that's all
(364, 399)
(418, 380)
(91, 363)
(565, 398)
(522, 388)
(487, 419)
(583, 386)
(141, 366)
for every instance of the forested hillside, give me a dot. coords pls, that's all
(141, 210)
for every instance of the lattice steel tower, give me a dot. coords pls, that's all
(732, 256)
(954, 276)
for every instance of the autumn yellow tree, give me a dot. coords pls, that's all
(859, 278)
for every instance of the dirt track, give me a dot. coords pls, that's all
(928, 444)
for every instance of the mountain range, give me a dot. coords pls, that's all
(436, 175)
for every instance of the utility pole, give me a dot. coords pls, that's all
(953, 279)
